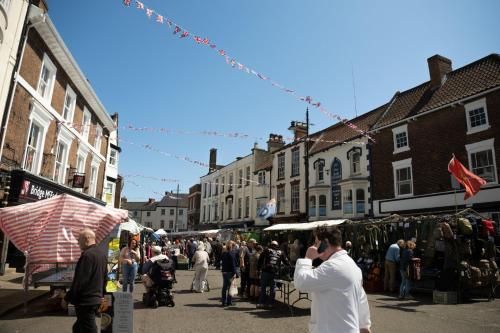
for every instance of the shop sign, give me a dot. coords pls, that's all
(336, 177)
(78, 180)
(34, 191)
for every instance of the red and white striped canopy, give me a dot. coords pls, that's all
(47, 230)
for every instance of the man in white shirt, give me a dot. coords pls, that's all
(339, 302)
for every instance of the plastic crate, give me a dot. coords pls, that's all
(444, 297)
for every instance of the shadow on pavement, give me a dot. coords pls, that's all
(206, 305)
(279, 312)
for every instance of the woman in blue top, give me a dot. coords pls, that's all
(407, 255)
(228, 272)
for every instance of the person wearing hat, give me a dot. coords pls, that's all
(157, 255)
(268, 264)
(200, 263)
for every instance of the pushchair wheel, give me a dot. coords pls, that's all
(155, 304)
(172, 303)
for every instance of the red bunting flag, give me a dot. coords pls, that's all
(159, 18)
(197, 39)
(177, 29)
(206, 41)
(139, 5)
(126, 3)
(471, 182)
(184, 34)
(222, 52)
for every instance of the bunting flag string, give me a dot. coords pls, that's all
(178, 30)
(167, 131)
(164, 180)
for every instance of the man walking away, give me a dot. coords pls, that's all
(269, 263)
(339, 303)
(391, 265)
(89, 283)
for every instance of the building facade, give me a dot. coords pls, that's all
(170, 213)
(194, 202)
(339, 171)
(231, 194)
(55, 129)
(455, 112)
(288, 178)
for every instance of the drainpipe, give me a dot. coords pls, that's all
(33, 11)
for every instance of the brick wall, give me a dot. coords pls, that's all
(17, 128)
(433, 139)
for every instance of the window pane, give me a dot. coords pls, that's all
(401, 140)
(477, 117)
(483, 166)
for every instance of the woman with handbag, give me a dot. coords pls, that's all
(228, 272)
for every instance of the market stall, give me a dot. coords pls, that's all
(47, 232)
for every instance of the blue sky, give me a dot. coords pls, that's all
(153, 79)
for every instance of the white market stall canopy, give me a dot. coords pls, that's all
(304, 226)
(160, 232)
(196, 233)
(130, 226)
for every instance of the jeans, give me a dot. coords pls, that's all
(85, 319)
(267, 280)
(404, 289)
(245, 282)
(129, 273)
(226, 284)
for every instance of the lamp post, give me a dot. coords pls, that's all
(307, 164)
(176, 209)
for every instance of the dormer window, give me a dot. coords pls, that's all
(319, 166)
(354, 156)
(477, 116)
(400, 138)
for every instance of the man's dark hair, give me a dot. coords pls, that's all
(332, 235)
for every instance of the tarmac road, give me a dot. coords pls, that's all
(202, 313)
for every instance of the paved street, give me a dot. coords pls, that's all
(202, 312)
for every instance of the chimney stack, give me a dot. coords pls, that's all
(212, 165)
(299, 129)
(275, 142)
(439, 66)
(150, 201)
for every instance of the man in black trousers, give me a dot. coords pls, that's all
(89, 283)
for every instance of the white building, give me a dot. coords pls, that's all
(339, 171)
(231, 195)
(162, 214)
(12, 19)
(111, 172)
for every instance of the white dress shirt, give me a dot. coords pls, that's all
(339, 302)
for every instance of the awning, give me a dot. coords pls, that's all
(305, 226)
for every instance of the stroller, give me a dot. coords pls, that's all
(162, 273)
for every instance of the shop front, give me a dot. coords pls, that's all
(23, 188)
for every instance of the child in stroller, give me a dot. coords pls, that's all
(159, 282)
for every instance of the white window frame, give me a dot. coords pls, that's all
(281, 166)
(98, 138)
(113, 161)
(222, 185)
(247, 176)
(240, 208)
(105, 192)
(50, 86)
(41, 119)
(247, 206)
(230, 209)
(480, 103)
(479, 147)
(295, 198)
(395, 132)
(86, 121)
(401, 165)
(93, 182)
(65, 138)
(280, 199)
(262, 177)
(295, 162)
(352, 164)
(71, 108)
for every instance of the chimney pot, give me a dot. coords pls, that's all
(213, 160)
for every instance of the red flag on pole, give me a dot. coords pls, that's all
(471, 182)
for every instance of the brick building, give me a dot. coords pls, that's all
(194, 202)
(55, 132)
(455, 112)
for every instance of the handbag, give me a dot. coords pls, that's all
(233, 290)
